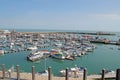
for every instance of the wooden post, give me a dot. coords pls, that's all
(3, 71)
(49, 73)
(33, 72)
(85, 74)
(118, 74)
(103, 74)
(18, 72)
(66, 76)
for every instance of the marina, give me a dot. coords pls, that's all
(61, 48)
(59, 40)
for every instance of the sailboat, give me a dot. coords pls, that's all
(11, 69)
(45, 72)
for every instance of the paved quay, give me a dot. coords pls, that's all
(28, 76)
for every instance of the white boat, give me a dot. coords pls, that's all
(11, 69)
(12, 43)
(79, 53)
(2, 52)
(88, 49)
(45, 53)
(35, 56)
(58, 44)
(32, 48)
(45, 72)
(109, 72)
(73, 72)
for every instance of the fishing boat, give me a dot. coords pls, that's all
(73, 72)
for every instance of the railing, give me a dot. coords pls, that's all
(32, 76)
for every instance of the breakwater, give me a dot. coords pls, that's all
(93, 33)
(105, 42)
(70, 32)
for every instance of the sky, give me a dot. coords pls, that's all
(100, 15)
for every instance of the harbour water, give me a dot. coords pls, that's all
(104, 56)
